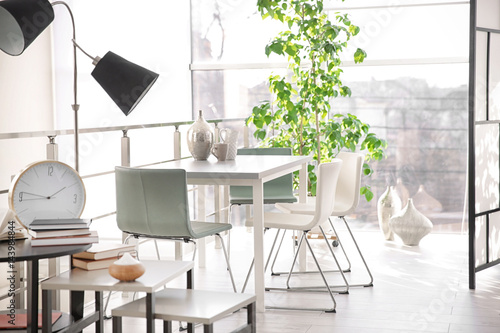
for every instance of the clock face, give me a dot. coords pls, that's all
(47, 190)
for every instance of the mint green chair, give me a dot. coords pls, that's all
(153, 203)
(275, 191)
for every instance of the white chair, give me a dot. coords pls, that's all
(347, 195)
(328, 174)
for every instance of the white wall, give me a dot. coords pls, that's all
(26, 104)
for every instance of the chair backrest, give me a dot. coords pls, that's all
(152, 202)
(347, 192)
(328, 175)
(276, 188)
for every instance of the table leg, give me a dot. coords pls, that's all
(252, 317)
(217, 216)
(258, 212)
(76, 300)
(47, 311)
(117, 324)
(302, 262)
(32, 319)
(201, 217)
(167, 326)
(303, 184)
(150, 312)
(99, 301)
(190, 279)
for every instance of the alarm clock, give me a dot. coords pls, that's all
(46, 190)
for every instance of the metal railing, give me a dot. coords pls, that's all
(52, 152)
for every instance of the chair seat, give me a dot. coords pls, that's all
(298, 208)
(286, 221)
(339, 209)
(204, 229)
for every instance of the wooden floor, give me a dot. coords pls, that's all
(416, 289)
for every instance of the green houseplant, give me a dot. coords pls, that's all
(300, 116)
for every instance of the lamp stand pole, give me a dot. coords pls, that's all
(75, 106)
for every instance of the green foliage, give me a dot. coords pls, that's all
(300, 116)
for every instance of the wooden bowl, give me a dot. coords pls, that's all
(126, 268)
(126, 272)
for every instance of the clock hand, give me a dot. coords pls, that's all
(50, 196)
(43, 198)
(37, 195)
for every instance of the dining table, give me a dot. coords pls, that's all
(250, 170)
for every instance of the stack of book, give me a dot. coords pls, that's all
(49, 232)
(9, 227)
(101, 255)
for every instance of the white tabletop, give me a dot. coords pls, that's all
(244, 167)
(157, 274)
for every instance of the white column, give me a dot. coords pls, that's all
(125, 150)
(52, 149)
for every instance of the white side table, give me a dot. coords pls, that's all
(193, 306)
(77, 281)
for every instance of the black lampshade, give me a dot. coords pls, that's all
(21, 21)
(125, 82)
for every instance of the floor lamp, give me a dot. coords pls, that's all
(22, 21)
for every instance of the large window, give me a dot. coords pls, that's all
(412, 89)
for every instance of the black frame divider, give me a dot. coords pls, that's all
(474, 126)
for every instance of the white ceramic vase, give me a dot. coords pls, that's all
(388, 205)
(410, 225)
(200, 138)
(402, 192)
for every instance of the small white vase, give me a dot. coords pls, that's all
(200, 139)
(388, 205)
(426, 203)
(410, 225)
(402, 192)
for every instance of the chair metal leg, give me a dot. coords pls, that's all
(369, 284)
(276, 255)
(157, 250)
(307, 289)
(345, 270)
(253, 261)
(348, 269)
(345, 286)
(228, 264)
(195, 248)
(106, 306)
(333, 309)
